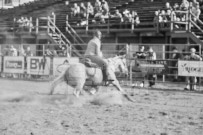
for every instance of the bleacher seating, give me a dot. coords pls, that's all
(39, 8)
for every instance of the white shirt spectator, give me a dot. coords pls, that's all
(184, 5)
(75, 9)
(90, 9)
(13, 51)
(97, 6)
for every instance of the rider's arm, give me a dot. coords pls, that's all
(98, 50)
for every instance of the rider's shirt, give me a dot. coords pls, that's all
(92, 47)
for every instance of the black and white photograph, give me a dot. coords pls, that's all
(101, 67)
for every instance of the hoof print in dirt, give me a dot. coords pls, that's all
(163, 113)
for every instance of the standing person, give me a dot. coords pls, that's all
(174, 63)
(191, 81)
(141, 54)
(13, 51)
(94, 53)
(151, 76)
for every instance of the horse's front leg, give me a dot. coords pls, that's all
(117, 85)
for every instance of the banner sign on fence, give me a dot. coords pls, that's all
(13, 64)
(190, 68)
(0, 63)
(61, 64)
(38, 65)
(152, 66)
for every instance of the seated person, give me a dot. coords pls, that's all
(184, 5)
(141, 54)
(75, 11)
(105, 7)
(90, 9)
(21, 23)
(97, 6)
(127, 17)
(195, 3)
(156, 18)
(135, 18)
(176, 7)
(83, 10)
(99, 17)
(162, 18)
(168, 6)
(196, 11)
(117, 15)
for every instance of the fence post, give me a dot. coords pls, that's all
(133, 22)
(66, 23)
(30, 26)
(87, 22)
(108, 23)
(163, 57)
(189, 20)
(48, 24)
(172, 21)
(37, 25)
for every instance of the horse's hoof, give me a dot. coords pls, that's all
(77, 94)
(93, 91)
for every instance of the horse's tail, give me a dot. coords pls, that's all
(55, 82)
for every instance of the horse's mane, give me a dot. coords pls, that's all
(114, 62)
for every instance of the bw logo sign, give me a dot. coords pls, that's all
(38, 65)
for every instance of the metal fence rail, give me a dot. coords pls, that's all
(46, 66)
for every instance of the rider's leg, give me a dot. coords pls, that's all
(102, 64)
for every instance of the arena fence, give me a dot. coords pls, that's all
(44, 65)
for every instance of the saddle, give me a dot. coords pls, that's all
(88, 63)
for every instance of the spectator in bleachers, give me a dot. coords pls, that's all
(156, 19)
(28, 52)
(192, 80)
(184, 5)
(90, 10)
(105, 7)
(162, 18)
(99, 17)
(27, 24)
(75, 11)
(117, 15)
(195, 3)
(13, 51)
(83, 10)
(97, 6)
(21, 23)
(127, 18)
(176, 7)
(141, 54)
(135, 18)
(6, 51)
(48, 52)
(201, 4)
(196, 11)
(168, 6)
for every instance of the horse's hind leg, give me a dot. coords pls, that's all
(56, 81)
(79, 88)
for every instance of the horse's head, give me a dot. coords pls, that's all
(120, 64)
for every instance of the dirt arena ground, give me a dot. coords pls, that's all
(26, 109)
